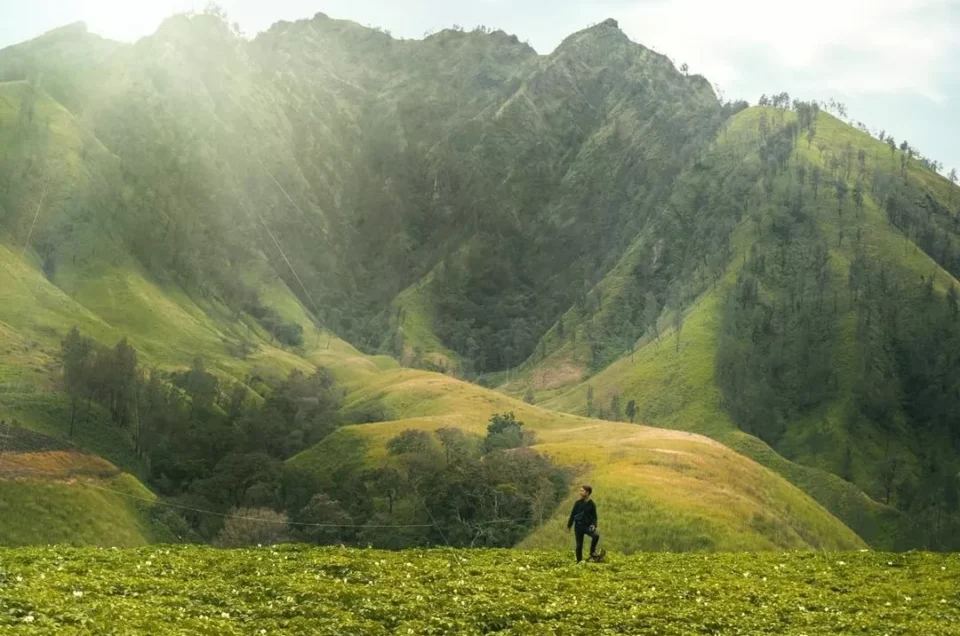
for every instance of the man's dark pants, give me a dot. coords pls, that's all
(594, 539)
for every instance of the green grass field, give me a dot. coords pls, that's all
(298, 590)
(77, 511)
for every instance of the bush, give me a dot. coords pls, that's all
(253, 526)
(324, 510)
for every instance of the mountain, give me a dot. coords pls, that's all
(590, 230)
(818, 314)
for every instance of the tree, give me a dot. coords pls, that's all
(615, 407)
(589, 401)
(456, 444)
(330, 522)
(684, 68)
(651, 313)
(841, 195)
(892, 143)
(529, 396)
(504, 432)
(253, 526)
(631, 411)
(408, 441)
(953, 179)
(815, 175)
(888, 472)
(76, 351)
(678, 323)
(202, 387)
(858, 196)
(386, 482)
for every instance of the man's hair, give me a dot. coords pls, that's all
(589, 489)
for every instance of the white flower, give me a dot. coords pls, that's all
(148, 563)
(263, 631)
(907, 599)
(28, 618)
(887, 603)
(224, 615)
(77, 593)
(19, 579)
(841, 562)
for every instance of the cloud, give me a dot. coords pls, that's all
(855, 46)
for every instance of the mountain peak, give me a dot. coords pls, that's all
(610, 22)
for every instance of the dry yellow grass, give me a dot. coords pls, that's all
(55, 465)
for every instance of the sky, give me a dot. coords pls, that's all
(894, 63)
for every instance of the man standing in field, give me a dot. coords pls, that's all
(583, 520)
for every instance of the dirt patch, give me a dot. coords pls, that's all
(556, 377)
(670, 451)
(649, 432)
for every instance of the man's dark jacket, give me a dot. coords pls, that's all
(583, 515)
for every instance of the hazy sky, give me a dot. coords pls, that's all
(895, 63)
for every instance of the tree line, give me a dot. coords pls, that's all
(444, 487)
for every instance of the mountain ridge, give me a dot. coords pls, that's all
(468, 205)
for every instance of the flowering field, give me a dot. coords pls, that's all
(299, 590)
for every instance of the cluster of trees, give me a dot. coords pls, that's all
(215, 448)
(909, 348)
(774, 358)
(616, 412)
(441, 488)
(199, 441)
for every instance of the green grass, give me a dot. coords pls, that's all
(417, 327)
(299, 590)
(76, 512)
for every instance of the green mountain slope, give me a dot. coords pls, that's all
(807, 329)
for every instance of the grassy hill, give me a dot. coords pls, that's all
(299, 590)
(51, 493)
(659, 490)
